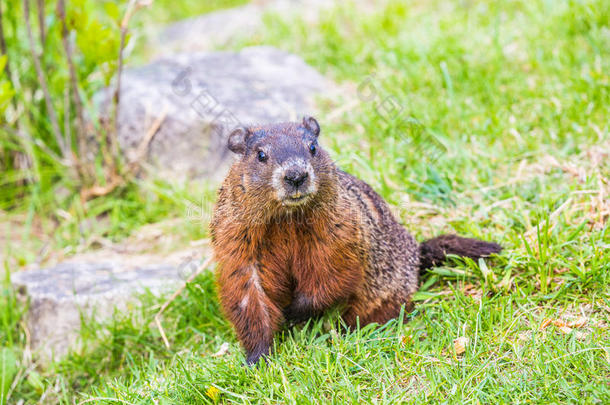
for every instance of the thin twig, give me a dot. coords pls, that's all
(67, 132)
(174, 296)
(78, 104)
(97, 191)
(116, 180)
(41, 23)
(132, 7)
(43, 82)
(144, 144)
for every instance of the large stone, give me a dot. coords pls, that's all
(222, 28)
(61, 296)
(202, 97)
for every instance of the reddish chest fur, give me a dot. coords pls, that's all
(314, 257)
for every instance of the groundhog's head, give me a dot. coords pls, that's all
(282, 162)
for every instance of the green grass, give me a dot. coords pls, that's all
(168, 11)
(499, 130)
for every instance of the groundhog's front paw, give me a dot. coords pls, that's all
(300, 309)
(253, 356)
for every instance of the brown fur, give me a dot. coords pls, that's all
(279, 260)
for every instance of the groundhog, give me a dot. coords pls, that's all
(293, 235)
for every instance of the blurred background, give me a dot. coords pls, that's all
(484, 118)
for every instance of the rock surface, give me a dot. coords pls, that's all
(59, 297)
(221, 28)
(202, 96)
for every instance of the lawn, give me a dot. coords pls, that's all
(487, 119)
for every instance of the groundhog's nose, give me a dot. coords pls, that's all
(295, 178)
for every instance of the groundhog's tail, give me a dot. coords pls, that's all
(434, 251)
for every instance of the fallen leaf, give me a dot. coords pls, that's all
(545, 323)
(580, 335)
(578, 323)
(459, 344)
(224, 348)
(564, 326)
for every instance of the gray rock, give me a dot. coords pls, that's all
(59, 297)
(208, 31)
(203, 96)
(221, 28)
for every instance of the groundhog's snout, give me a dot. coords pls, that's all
(295, 178)
(294, 181)
(297, 182)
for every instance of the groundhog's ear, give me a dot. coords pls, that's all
(311, 124)
(237, 140)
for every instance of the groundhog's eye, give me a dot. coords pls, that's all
(262, 156)
(312, 149)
